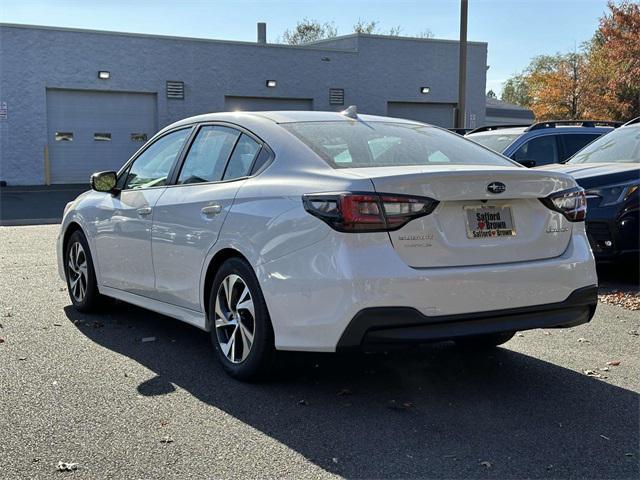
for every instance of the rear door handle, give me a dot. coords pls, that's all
(144, 211)
(211, 210)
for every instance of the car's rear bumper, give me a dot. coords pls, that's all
(313, 294)
(394, 325)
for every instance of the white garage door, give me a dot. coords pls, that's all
(252, 104)
(92, 131)
(440, 114)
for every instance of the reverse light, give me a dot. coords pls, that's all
(367, 212)
(571, 203)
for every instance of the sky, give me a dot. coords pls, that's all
(515, 30)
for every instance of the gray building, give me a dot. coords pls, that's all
(76, 101)
(504, 113)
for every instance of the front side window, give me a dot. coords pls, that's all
(542, 150)
(153, 166)
(355, 144)
(208, 155)
(620, 146)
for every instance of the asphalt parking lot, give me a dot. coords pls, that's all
(86, 389)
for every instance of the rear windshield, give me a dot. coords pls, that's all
(353, 144)
(620, 146)
(495, 141)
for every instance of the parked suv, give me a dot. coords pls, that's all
(541, 143)
(609, 171)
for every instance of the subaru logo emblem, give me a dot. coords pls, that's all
(496, 187)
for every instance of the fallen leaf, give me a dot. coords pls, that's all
(22, 358)
(583, 340)
(486, 464)
(166, 440)
(614, 364)
(66, 466)
(519, 334)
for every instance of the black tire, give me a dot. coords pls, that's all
(91, 300)
(483, 342)
(260, 358)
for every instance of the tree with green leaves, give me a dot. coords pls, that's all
(309, 30)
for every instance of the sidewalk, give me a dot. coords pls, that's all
(33, 205)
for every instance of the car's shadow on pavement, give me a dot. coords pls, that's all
(431, 412)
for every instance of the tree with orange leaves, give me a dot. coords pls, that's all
(602, 81)
(613, 76)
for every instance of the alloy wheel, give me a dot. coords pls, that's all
(234, 318)
(77, 272)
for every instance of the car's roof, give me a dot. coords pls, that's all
(284, 116)
(500, 131)
(557, 130)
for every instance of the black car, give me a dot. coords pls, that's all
(609, 171)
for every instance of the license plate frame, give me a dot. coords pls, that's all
(478, 228)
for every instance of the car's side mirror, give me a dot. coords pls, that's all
(528, 163)
(104, 181)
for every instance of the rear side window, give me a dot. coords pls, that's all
(576, 141)
(208, 155)
(242, 158)
(356, 144)
(497, 142)
(543, 150)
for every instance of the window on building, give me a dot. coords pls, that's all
(64, 136)
(138, 137)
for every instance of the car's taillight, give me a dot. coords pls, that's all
(571, 203)
(367, 212)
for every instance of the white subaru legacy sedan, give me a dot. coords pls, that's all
(324, 231)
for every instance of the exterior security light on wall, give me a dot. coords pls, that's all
(425, 90)
(103, 75)
(271, 83)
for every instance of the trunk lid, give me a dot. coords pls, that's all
(472, 226)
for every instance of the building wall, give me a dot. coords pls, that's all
(371, 69)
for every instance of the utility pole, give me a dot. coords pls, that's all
(462, 68)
